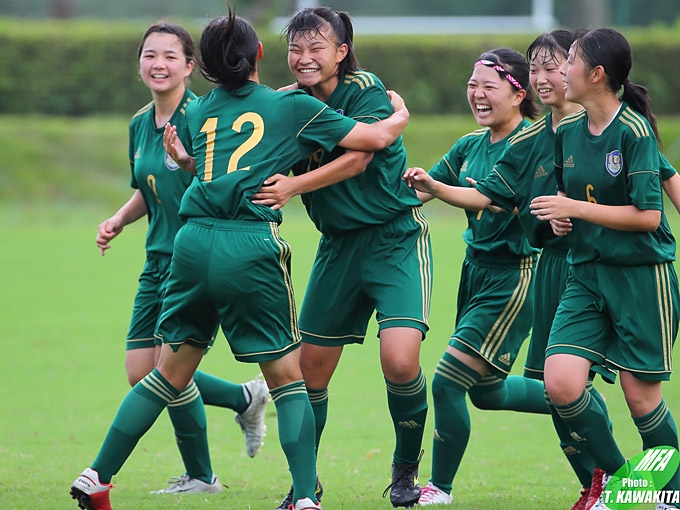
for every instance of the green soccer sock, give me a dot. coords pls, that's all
(319, 401)
(452, 379)
(600, 400)
(408, 407)
(590, 428)
(138, 411)
(515, 393)
(580, 460)
(296, 431)
(658, 429)
(221, 393)
(191, 433)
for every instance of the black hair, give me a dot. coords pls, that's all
(608, 48)
(556, 43)
(312, 20)
(514, 64)
(229, 48)
(163, 27)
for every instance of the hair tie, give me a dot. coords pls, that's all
(626, 81)
(500, 70)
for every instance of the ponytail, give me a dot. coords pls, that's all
(608, 48)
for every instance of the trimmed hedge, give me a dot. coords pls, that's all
(87, 67)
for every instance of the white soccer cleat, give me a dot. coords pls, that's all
(90, 493)
(305, 504)
(432, 495)
(251, 420)
(187, 485)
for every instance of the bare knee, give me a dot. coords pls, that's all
(565, 378)
(400, 354)
(139, 363)
(642, 397)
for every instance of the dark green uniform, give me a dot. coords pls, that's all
(374, 252)
(496, 288)
(621, 301)
(229, 264)
(525, 171)
(162, 184)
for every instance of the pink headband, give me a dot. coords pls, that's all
(500, 70)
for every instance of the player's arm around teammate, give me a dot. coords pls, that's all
(374, 252)
(166, 60)
(227, 248)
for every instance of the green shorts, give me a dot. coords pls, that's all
(387, 268)
(495, 299)
(552, 271)
(235, 274)
(148, 300)
(623, 316)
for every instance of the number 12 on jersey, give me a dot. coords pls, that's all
(210, 128)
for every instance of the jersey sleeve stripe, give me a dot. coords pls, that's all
(503, 180)
(310, 121)
(446, 162)
(529, 132)
(638, 126)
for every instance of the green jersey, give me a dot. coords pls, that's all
(666, 170)
(376, 196)
(241, 138)
(488, 233)
(618, 167)
(523, 172)
(159, 179)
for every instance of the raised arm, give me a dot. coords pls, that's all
(279, 188)
(382, 134)
(175, 149)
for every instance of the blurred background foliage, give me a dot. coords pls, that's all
(77, 57)
(572, 13)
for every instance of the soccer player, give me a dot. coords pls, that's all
(229, 265)
(620, 306)
(166, 59)
(523, 172)
(494, 309)
(374, 253)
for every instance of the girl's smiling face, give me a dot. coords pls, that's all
(545, 77)
(493, 100)
(162, 63)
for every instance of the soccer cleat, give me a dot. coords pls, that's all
(600, 479)
(251, 420)
(90, 492)
(432, 495)
(186, 485)
(305, 504)
(288, 500)
(583, 500)
(404, 489)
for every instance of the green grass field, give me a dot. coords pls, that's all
(65, 311)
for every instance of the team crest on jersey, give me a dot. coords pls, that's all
(170, 163)
(339, 110)
(614, 162)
